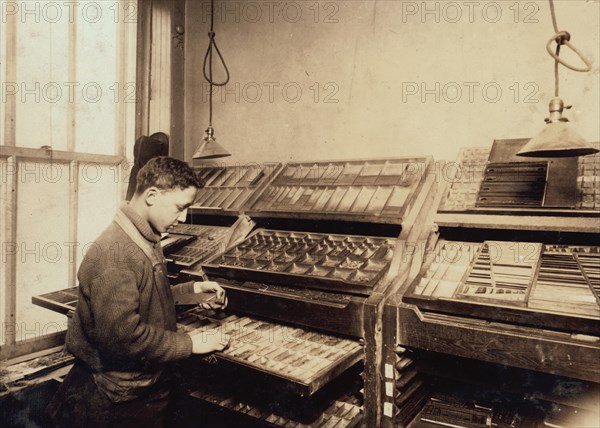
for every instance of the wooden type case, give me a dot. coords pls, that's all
(229, 189)
(557, 286)
(306, 360)
(527, 283)
(207, 241)
(377, 191)
(338, 263)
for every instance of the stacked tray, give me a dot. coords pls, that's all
(513, 184)
(487, 178)
(304, 358)
(63, 301)
(537, 284)
(343, 263)
(469, 173)
(208, 241)
(456, 413)
(202, 243)
(344, 412)
(229, 188)
(377, 190)
(569, 276)
(502, 271)
(407, 390)
(588, 182)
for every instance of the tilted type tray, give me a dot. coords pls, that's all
(379, 191)
(205, 243)
(230, 188)
(543, 285)
(342, 263)
(306, 359)
(62, 301)
(343, 412)
(490, 180)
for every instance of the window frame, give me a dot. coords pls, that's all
(127, 119)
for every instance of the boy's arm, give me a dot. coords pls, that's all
(183, 288)
(118, 328)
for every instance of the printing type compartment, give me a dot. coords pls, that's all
(350, 264)
(306, 359)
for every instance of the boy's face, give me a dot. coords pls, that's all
(169, 207)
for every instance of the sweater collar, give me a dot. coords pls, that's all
(141, 224)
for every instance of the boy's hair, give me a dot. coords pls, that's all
(166, 173)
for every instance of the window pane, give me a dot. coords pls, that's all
(41, 85)
(96, 64)
(98, 201)
(42, 239)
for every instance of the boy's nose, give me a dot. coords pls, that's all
(182, 216)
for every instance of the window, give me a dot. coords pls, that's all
(67, 120)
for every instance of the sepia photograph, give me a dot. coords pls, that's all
(300, 213)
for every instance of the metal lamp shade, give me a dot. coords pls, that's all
(210, 149)
(557, 140)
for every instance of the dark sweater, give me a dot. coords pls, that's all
(125, 316)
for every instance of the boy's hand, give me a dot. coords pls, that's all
(204, 343)
(219, 301)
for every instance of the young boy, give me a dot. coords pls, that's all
(123, 333)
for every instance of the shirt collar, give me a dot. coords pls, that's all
(140, 223)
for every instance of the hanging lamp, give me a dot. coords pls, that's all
(209, 148)
(558, 139)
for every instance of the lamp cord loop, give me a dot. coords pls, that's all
(208, 61)
(563, 38)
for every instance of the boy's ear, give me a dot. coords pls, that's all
(150, 195)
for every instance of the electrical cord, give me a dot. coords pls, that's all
(563, 38)
(208, 58)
